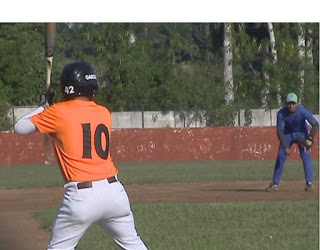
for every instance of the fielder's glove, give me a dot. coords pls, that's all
(309, 142)
(46, 99)
(305, 143)
(301, 143)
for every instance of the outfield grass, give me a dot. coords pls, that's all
(259, 225)
(159, 172)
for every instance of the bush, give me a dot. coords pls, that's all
(5, 120)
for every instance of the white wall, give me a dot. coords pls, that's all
(170, 119)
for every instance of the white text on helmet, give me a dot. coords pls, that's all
(90, 77)
(69, 90)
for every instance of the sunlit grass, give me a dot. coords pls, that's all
(280, 225)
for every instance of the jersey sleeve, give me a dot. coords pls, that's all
(46, 120)
(309, 117)
(280, 121)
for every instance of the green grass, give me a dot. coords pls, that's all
(292, 225)
(160, 172)
(202, 171)
(30, 176)
(281, 225)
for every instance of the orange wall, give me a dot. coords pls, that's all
(138, 145)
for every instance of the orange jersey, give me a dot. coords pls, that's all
(81, 132)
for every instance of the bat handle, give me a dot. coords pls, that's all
(49, 70)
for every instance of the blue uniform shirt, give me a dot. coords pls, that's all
(296, 122)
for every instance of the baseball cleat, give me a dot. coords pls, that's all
(309, 186)
(273, 187)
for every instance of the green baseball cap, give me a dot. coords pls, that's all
(292, 97)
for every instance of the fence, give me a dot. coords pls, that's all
(162, 119)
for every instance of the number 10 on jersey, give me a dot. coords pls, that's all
(100, 130)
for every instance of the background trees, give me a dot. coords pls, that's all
(170, 66)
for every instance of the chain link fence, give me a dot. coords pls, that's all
(142, 118)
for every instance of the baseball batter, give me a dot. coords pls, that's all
(81, 133)
(292, 127)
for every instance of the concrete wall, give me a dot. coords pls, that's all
(127, 119)
(140, 145)
(260, 117)
(170, 119)
(139, 119)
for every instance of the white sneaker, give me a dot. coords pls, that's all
(273, 187)
(309, 186)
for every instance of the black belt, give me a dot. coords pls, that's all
(88, 184)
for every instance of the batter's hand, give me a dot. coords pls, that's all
(46, 99)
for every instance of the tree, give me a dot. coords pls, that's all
(311, 87)
(180, 66)
(228, 56)
(22, 62)
(274, 58)
(301, 54)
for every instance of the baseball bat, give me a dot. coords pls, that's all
(50, 35)
(49, 42)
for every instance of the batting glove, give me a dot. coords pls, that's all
(46, 99)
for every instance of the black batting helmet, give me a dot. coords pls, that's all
(78, 79)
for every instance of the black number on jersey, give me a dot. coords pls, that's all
(87, 145)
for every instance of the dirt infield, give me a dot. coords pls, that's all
(22, 231)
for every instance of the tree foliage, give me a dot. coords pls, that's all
(160, 66)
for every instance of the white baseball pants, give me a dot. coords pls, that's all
(106, 204)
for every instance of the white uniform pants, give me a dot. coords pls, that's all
(105, 204)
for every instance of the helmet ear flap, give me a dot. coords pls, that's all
(78, 79)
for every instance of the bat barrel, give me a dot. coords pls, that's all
(50, 33)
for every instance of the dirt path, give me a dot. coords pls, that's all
(21, 231)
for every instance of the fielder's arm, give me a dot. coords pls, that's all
(309, 139)
(282, 139)
(314, 130)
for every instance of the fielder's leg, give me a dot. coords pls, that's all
(279, 166)
(307, 164)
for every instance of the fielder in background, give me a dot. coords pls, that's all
(81, 131)
(292, 127)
